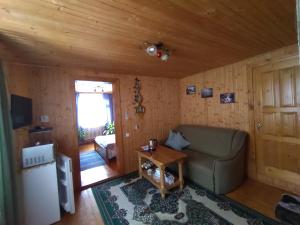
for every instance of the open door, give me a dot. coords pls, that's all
(98, 132)
(65, 182)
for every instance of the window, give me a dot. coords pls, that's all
(94, 110)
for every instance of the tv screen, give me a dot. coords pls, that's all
(21, 111)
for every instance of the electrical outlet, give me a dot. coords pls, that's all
(126, 115)
(44, 118)
(126, 134)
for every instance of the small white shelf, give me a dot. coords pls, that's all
(63, 182)
(61, 168)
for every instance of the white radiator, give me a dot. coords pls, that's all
(65, 182)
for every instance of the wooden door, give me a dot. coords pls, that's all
(277, 122)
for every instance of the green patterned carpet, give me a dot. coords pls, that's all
(129, 200)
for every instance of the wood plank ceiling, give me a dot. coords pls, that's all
(108, 34)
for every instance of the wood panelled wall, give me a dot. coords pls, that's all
(52, 90)
(235, 78)
(19, 80)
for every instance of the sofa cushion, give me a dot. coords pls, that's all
(177, 141)
(213, 141)
(170, 139)
(200, 168)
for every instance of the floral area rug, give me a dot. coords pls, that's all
(129, 200)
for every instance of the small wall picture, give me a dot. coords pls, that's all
(206, 92)
(227, 98)
(191, 89)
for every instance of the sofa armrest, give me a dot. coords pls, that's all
(229, 171)
(239, 142)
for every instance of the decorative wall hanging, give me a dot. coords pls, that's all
(227, 98)
(138, 99)
(191, 89)
(206, 92)
(157, 49)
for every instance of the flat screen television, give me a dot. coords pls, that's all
(21, 111)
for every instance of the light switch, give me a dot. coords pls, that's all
(126, 134)
(126, 115)
(44, 118)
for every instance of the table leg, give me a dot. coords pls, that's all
(181, 181)
(162, 182)
(140, 165)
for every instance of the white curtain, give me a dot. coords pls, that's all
(92, 110)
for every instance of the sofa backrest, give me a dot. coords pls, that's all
(211, 140)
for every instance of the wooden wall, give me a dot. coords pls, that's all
(52, 90)
(19, 80)
(235, 78)
(167, 105)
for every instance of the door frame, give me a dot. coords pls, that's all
(118, 124)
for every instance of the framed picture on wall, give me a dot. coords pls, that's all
(191, 89)
(227, 98)
(206, 92)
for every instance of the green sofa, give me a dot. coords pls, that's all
(216, 157)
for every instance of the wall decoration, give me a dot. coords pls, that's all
(191, 89)
(206, 92)
(138, 98)
(227, 98)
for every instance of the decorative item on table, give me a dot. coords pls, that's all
(169, 178)
(145, 148)
(191, 89)
(152, 144)
(227, 98)
(138, 98)
(147, 164)
(151, 171)
(206, 92)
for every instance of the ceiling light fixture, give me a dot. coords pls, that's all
(157, 49)
(151, 50)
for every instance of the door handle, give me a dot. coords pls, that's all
(259, 125)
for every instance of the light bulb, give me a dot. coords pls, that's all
(164, 57)
(151, 50)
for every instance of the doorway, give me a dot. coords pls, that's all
(96, 131)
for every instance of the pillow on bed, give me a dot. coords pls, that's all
(176, 141)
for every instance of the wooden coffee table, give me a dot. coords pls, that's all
(162, 157)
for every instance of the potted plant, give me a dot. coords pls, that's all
(82, 133)
(109, 128)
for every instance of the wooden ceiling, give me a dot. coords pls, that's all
(108, 34)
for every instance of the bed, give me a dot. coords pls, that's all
(105, 145)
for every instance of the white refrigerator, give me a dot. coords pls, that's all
(41, 198)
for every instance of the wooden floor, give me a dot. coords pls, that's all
(99, 173)
(86, 147)
(261, 197)
(253, 194)
(86, 211)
